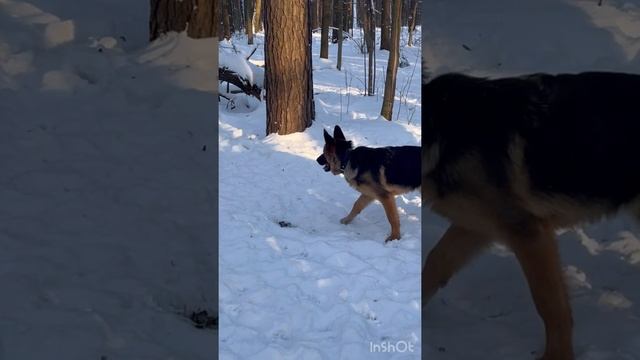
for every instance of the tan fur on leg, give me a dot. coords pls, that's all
(389, 204)
(362, 202)
(537, 253)
(456, 248)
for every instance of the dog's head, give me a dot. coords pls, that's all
(334, 154)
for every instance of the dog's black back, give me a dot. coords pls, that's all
(401, 164)
(578, 131)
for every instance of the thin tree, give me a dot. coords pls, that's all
(248, 20)
(385, 28)
(392, 65)
(257, 16)
(326, 22)
(339, 29)
(413, 15)
(369, 25)
(288, 78)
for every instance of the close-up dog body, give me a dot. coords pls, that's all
(377, 173)
(514, 159)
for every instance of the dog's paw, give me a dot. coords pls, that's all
(345, 220)
(392, 237)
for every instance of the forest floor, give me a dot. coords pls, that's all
(107, 199)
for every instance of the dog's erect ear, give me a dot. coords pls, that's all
(337, 133)
(327, 138)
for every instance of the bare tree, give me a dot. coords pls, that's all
(326, 22)
(248, 20)
(392, 65)
(385, 28)
(369, 25)
(175, 15)
(288, 78)
(257, 16)
(339, 19)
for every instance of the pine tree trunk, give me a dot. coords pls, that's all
(326, 22)
(288, 78)
(369, 26)
(257, 16)
(226, 22)
(385, 29)
(392, 65)
(248, 20)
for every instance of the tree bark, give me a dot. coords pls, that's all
(369, 26)
(288, 80)
(392, 65)
(248, 20)
(226, 23)
(257, 16)
(326, 22)
(195, 16)
(385, 28)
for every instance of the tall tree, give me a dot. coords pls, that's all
(413, 16)
(175, 15)
(257, 16)
(248, 20)
(369, 25)
(288, 78)
(385, 28)
(392, 65)
(326, 22)
(339, 19)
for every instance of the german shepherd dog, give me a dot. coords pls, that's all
(516, 158)
(377, 173)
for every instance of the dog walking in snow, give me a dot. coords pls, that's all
(514, 159)
(377, 173)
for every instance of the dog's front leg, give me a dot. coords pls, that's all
(358, 206)
(456, 248)
(389, 204)
(537, 253)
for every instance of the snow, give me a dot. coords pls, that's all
(107, 205)
(486, 310)
(294, 282)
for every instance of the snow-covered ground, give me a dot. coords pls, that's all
(486, 312)
(107, 186)
(294, 282)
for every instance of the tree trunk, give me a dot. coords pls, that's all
(339, 8)
(288, 79)
(369, 26)
(326, 22)
(385, 29)
(226, 23)
(248, 20)
(413, 14)
(392, 65)
(257, 16)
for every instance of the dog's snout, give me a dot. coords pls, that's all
(323, 161)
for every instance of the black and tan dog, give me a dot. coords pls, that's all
(377, 173)
(513, 159)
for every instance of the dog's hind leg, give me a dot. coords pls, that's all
(537, 253)
(362, 202)
(456, 248)
(389, 204)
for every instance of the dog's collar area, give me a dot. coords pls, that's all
(344, 160)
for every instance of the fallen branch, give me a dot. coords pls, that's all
(225, 74)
